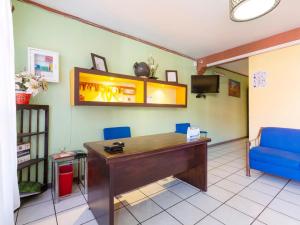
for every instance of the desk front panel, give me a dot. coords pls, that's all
(136, 172)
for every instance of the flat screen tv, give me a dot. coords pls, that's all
(205, 84)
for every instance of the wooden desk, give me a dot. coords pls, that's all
(145, 159)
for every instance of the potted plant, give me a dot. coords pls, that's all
(153, 67)
(27, 85)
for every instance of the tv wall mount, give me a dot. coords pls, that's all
(201, 95)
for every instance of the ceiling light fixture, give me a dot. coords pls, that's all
(245, 10)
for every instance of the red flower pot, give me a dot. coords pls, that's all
(23, 98)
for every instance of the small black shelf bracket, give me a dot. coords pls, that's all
(200, 95)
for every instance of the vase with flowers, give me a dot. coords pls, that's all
(27, 85)
(153, 67)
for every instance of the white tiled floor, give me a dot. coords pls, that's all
(232, 198)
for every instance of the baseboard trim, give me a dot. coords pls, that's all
(226, 142)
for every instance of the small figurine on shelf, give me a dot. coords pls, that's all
(153, 67)
(27, 84)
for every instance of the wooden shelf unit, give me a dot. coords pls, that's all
(97, 88)
(33, 123)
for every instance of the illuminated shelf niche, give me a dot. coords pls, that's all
(166, 94)
(110, 89)
(93, 87)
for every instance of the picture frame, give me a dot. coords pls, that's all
(44, 63)
(172, 76)
(99, 62)
(234, 88)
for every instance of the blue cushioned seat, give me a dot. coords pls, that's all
(111, 133)
(275, 157)
(281, 138)
(182, 128)
(278, 152)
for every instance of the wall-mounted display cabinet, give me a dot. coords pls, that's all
(93, 87)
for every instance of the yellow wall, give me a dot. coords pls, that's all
(277, 104)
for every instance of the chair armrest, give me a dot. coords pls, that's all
(252, 142)
(248, 146)
(256, 142)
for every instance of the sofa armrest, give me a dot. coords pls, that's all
(249, 143)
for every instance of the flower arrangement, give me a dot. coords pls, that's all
(29, 83)
(153, 67)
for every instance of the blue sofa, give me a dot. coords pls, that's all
(277, 153)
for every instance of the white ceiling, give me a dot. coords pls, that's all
(239, 66)
(193, 27)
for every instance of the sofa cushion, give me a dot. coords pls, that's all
(275, 156)
(281, 138)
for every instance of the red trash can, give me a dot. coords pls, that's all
(65, 180)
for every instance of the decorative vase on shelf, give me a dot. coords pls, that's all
(141, 69)
(22, 97)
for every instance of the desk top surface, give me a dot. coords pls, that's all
(144, 144)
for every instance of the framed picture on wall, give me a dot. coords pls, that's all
(234, 88)
(99, 62)
(44, 63)
(171, 76)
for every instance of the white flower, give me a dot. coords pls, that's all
(30, 83)
(19, 79)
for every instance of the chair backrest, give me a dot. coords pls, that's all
(116, 132)
(182, 127)
(282, 138)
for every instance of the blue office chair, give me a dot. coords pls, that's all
(182, 128)
(116, 132)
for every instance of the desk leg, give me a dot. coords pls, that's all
(197, 174)
(85, 175)
(56, 177)
(100, 192)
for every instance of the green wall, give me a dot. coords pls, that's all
(222, 116)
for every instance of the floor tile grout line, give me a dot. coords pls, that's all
(263, 192)
(44, 216)
(270, 202)
(280, 190)
(165, 210)
(292, 203)
(69, 197)
(17, 217)
(293, 218)
(247, 186)
(38, 203)
(134, 215)
(225, 178)
(224, 203)
(89, 221)
(207, 215)
(270, 184)
(182, 200)
(54, 206)
(292, 192)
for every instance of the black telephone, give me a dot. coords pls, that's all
(116, 147)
